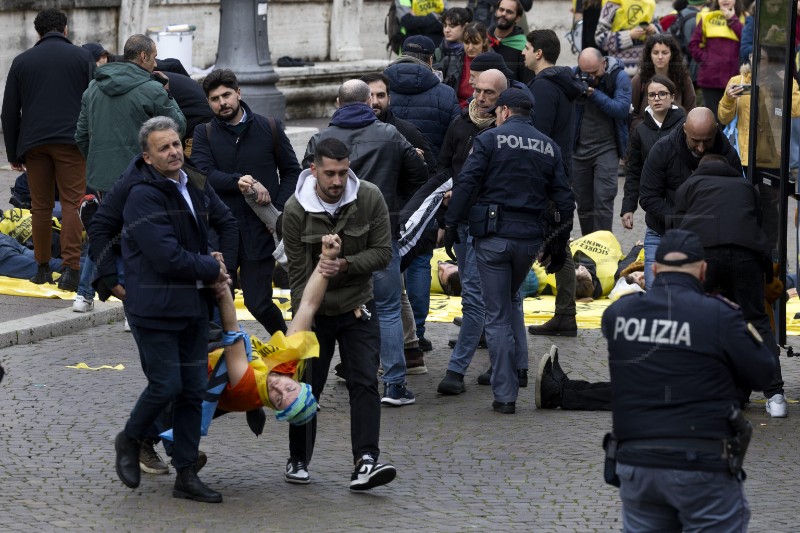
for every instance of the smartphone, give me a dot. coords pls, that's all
(644, 24)
(745, 88)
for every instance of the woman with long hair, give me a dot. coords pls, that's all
(662, 56)
(455, 67)
(715, 47)
(661, 117)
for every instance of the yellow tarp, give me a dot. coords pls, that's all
(443, 308)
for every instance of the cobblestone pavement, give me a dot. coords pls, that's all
(460, 465)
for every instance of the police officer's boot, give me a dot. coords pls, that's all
(452, 384)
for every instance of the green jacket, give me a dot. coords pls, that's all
(119, 100)
(362, 224)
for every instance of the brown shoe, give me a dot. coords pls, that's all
(415, 362)
(559, 325)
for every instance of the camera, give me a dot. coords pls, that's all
(584, 81)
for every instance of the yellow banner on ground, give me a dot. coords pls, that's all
(443, 308)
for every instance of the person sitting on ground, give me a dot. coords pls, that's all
(554, 389)
(241, 381)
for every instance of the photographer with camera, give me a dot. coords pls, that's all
(601, 137)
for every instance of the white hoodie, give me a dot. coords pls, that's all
(306, 191)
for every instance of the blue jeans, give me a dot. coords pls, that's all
(387, 288)
(17, 261)
(472, 309)
(418, 288)
(663, 499)
(88, 273)
(175, 364)
(651, 241)
(503, 263)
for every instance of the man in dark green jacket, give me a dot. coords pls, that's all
(121, 98)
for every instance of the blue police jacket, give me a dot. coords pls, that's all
(518, 168)
(677, 359)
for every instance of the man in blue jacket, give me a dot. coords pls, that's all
(417, 94)
(41, 105)
(168, 264)
(601, 138)
(241, 144)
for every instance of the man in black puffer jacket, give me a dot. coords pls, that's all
(418, 95)
(668, 165)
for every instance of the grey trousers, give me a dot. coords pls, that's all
(594, 182)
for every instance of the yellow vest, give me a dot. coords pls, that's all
(715, 26)
(631, 13)
(420, 8)
(604, 250)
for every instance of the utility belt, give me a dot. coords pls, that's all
(483, 219)
(731, 450)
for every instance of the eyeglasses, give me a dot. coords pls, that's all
(660, 95)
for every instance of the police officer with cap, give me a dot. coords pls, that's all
(677, 360)
(503, 191)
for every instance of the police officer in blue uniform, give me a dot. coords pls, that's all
(503, 191)
(677, 360)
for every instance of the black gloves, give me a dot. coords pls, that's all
(554, 256)
(450, 238)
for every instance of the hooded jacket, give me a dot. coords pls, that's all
(165, 247)
(667, 166)
(379, 154)
(643, 137)
(615, 103)
(419, 97)
(361, 222)
(119, 100)
(717, 57)
(226, 156)
(555, 90)
(721, 207)
(43, 93)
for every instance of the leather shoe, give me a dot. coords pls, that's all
(506, 408)
(452, 384)
(127, 461)
(559, 325)
(522, 375)
(486, 377)
(70, 277)
(189, 486)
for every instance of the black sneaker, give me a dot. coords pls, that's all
(558, 372)
(296, 472)
(369, 474)
(43, 275)
(486, 377)
(548, 389)
(425, 345)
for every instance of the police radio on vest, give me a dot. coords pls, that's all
(517, 142)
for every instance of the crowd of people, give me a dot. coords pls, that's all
(473, 138)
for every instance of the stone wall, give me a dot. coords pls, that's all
(297, 28)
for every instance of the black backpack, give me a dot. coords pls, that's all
(393, 30)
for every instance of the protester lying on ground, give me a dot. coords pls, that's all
(241, 380)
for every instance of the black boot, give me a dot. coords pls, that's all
(559, 325)
(43, 274)
(127, 461)
(189, 486)
(452, 384)
(70, 277)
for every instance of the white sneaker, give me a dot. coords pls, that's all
(776, 406)
(126, 327)
(82, 305)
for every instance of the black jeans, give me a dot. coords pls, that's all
(581, 395)
(359, 349)
(737, 274)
